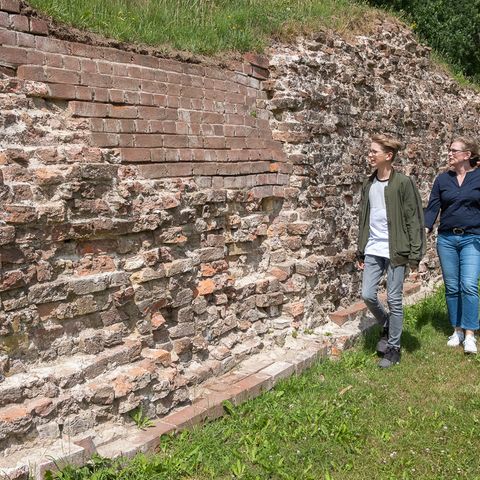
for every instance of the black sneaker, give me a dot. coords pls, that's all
(382, 344)
(391, 357)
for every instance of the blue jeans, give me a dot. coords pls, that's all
(460, 261)
(374, 268)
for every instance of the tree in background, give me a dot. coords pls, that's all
(452, 28)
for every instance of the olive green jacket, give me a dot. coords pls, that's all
(406, 231)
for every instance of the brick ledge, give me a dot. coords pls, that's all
(358, 309)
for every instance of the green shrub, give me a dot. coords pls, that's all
(451, 28)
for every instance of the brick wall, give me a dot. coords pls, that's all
(136, 193)
(163, 220)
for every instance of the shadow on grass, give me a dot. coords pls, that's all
(429, 311)
(410, 342)
(432, 311)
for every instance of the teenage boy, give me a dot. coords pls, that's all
(391, 237)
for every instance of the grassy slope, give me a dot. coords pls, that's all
(344, 419)
(203, 26)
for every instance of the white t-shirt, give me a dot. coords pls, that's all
(378, 239)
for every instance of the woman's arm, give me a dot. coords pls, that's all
(434, 205)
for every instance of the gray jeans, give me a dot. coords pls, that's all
(374, 268)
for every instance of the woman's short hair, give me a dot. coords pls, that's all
(470, 145)
(388, 143)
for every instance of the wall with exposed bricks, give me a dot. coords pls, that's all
(136, 194)
(161, 220)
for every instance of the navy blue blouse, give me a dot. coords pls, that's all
(459, 206)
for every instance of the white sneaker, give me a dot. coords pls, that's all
(456, 339)
(470, 344)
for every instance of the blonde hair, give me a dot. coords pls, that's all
(389, 144)
(470, 145)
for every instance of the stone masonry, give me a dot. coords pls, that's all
(162, 221)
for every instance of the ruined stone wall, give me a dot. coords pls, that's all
(163, 220)
(327, 95)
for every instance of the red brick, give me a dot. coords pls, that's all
(10, 6)
(117, 56)
(96, 80)
(124, 83)
(105, 68)
(236, 143)
(154, 87)
(205, 169)
(341, 316)
(53, 60)
(175, 141)
(61, 91)
(174, 90)
(71, 63)
(100, 95)
(126, 140)
(105, 139)
(257, 60)
(86, 109)
(210, 407)
(97, 124)
(148, 140)
(130, 126)
(157, 321)
(88, 66)
(20, 23)
(52, 45)
(116, 96)
(214, 142)
(8, 37)
(145, 60)
(205, 287)
(251, 387)
(12, 279)
(158, 356)
(13, 414)
(135, 154)
(123, 112)
(92, 265)
(4, 20)
(38, 26)
(111, 125)
(212, 117)
(80, 49)
(295, 309)
(158, 155)
(58, 75)
(13, 55)
(40, 406)
(25, 40)
(159, 100)
(18, 214)
(83, 93)
(165, 170)
(151, 113)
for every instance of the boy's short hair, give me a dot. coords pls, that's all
(388, 143)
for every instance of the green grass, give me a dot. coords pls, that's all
(344, 419)
(204, 26)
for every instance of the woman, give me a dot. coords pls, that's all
(456, 195)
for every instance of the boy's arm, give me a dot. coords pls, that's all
(415, 223)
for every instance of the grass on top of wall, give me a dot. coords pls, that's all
(341, 419)
(205, 26)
